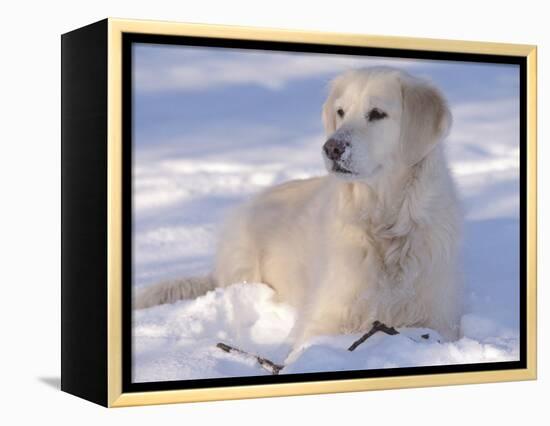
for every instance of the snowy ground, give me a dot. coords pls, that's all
(183, 187)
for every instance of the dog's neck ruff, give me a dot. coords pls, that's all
(393, 206)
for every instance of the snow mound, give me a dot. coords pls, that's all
(178, 341)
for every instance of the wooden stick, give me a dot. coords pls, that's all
(376, 326)
(264, 362)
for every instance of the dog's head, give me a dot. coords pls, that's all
(377, 119)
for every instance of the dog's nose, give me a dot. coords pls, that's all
(334, 148)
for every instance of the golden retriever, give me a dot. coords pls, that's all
(375, 239)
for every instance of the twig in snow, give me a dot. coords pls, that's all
(264, 362)
(376, 326)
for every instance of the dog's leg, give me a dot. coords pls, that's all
(173, 290)
(310, 325)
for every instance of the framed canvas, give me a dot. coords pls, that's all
(255, 212)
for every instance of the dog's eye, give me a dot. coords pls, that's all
(340, 112)
(376, 114)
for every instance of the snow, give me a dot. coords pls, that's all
(178, 342)
(187, 179)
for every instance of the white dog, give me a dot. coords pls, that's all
(375, 239)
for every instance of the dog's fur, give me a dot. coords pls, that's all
(375, 239)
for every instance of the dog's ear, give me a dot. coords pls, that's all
(426, 119)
